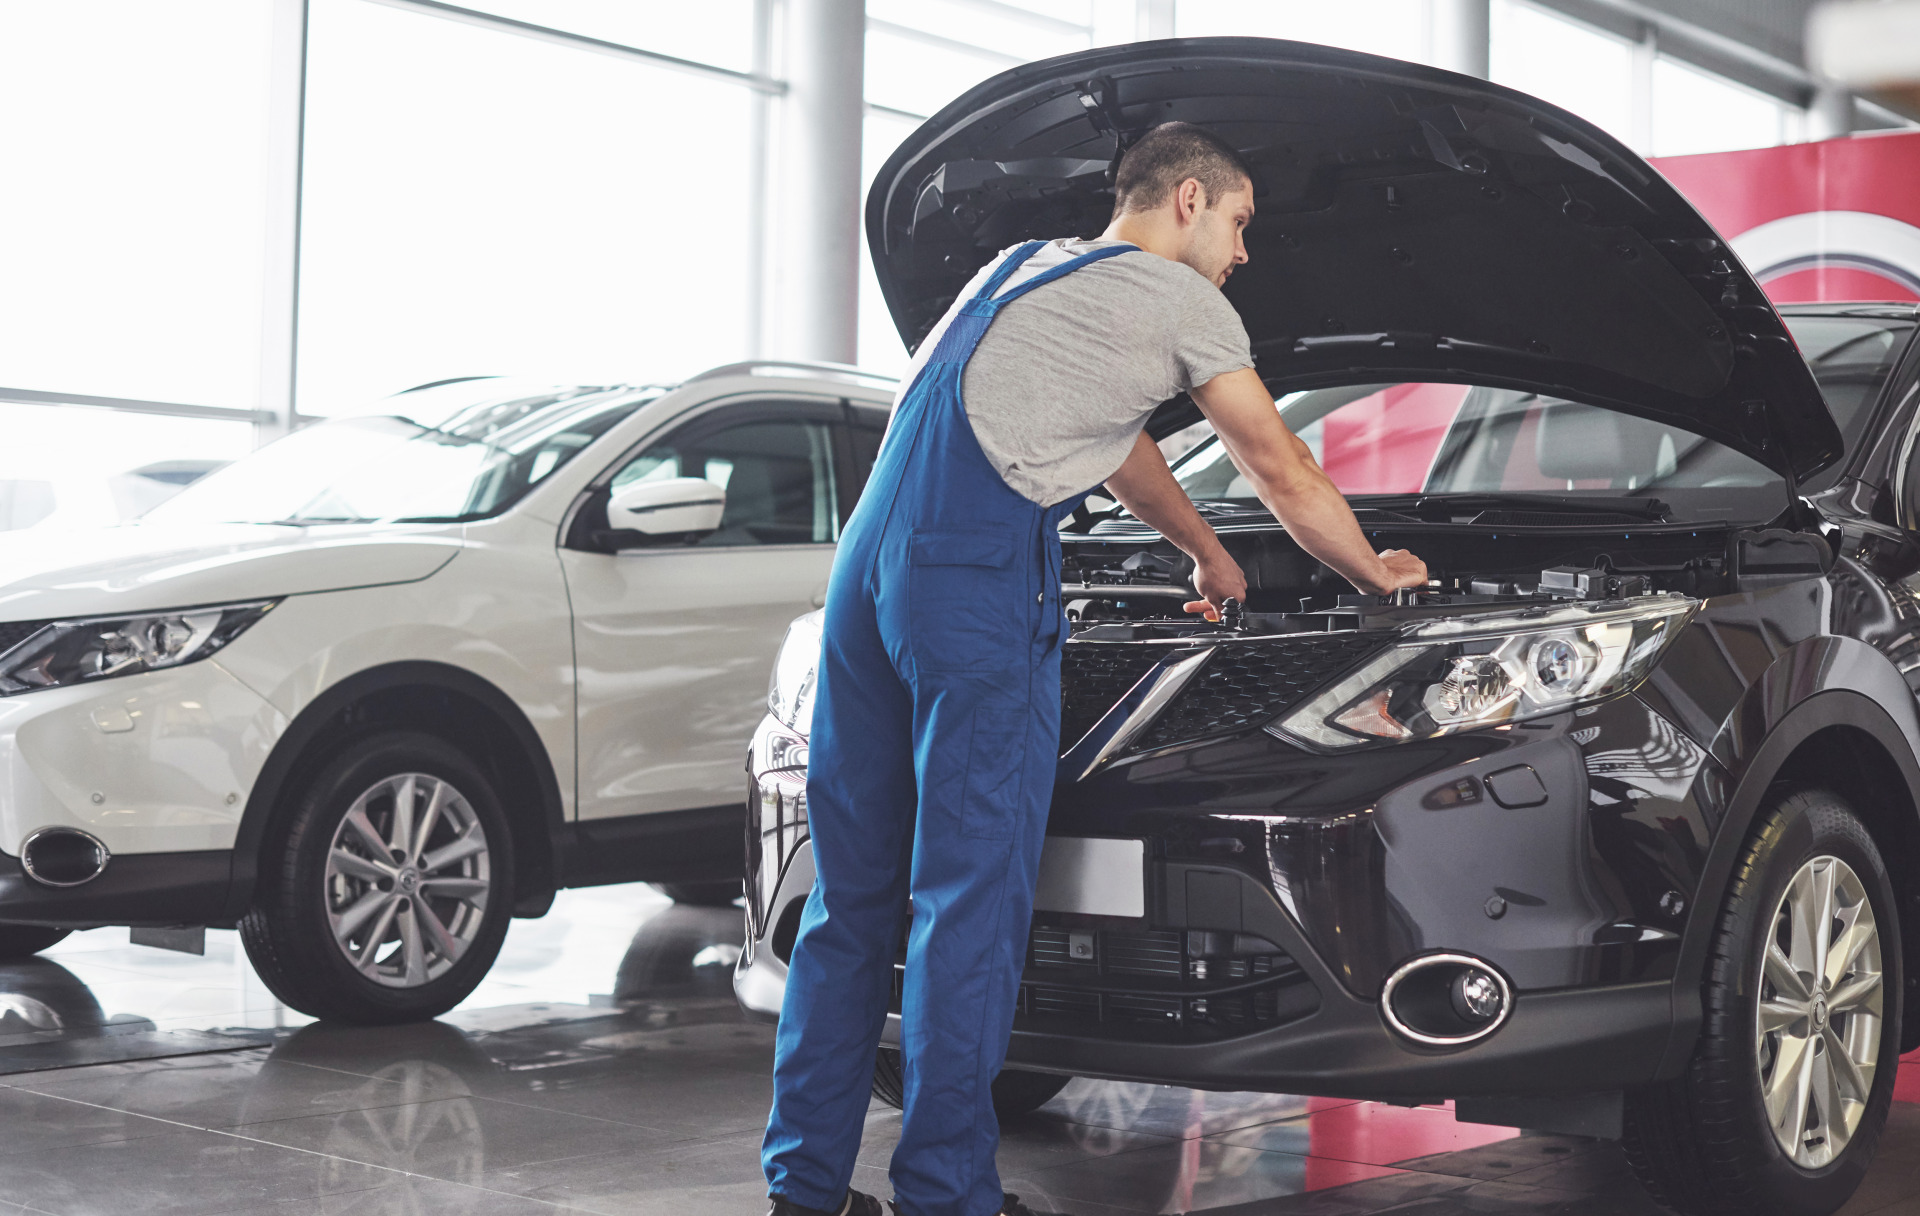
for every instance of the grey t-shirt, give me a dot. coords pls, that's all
(1066, 375)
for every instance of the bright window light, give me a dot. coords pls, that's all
(1574, 66)
(132, 225)
(993, 27)
(1398, 29)
(64, 466)
(1694, 111)
(483, 203)
(719, 32)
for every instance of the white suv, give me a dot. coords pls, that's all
(386, 682)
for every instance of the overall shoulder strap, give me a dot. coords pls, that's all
(1060, 271)
(1001, 272)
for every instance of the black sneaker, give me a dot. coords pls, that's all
(857, 1204)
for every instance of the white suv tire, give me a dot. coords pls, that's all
(369, 915)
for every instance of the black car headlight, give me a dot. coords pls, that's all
(1466, 673)
(98, 648)
(796, 674)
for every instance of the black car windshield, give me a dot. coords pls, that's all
(431, 460)
(1401, 439)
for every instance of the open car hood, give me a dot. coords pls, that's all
(1412, 224)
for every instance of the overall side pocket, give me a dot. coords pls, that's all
(965, 600)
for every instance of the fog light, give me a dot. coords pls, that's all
(1476, 996)
(1445, 1000)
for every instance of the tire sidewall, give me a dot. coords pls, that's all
(320, 810)
(1804, 826)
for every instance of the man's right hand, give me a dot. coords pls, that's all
(1398, 568)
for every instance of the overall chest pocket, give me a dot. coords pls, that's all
(969, 599)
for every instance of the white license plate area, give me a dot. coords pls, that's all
(1092, 876)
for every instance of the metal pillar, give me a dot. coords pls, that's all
(1646, 53)
(1831, 114)
(280, 267)
(1152, 19)
(1462, 36)
(813, 298)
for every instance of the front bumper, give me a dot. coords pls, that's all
(157, 767)
(1301, 881)
(149, 889)
(1321, 1039)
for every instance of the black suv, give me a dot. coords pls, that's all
(1610, 831)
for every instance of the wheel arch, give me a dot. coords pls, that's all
(1837, 738)
(440, 699)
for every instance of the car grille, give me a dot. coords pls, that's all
(1153, 985)
(1249, 684)
(12, 633)
(1094, 675)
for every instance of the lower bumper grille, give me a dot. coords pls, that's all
(1153, 985)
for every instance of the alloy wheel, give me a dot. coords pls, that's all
(407, 880)
(1820, 1012)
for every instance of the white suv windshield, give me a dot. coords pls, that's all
(474, 463)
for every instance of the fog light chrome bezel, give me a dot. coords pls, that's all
(1426, 962)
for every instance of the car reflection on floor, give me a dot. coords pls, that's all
(646, 1092)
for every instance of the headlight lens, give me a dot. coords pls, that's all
(796, 673)
(98, 648)
(1465, 673)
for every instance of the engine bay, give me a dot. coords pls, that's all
(1116, 591)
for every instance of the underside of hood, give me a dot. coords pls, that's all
(1412, 224)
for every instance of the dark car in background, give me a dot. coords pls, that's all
(1610, 831)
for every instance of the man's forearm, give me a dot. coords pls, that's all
(1318, 518)
(1144, 485)
(1294, 487)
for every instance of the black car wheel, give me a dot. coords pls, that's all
(1782, 1105)
(1015, 1092)
(389, 886)
(23, 941)
(702, 894)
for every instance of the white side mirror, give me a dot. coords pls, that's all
(670, 506)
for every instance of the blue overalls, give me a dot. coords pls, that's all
(936, 729)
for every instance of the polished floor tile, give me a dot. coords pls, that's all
(604, 1069)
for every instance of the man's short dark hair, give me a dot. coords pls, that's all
(1170, 154)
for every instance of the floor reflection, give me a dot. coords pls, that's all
(604, 1068)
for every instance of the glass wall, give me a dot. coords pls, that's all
(483, 203)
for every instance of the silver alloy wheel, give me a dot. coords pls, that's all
(1819, 1016)
(407, 880)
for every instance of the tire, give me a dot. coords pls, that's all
(25, 941)
(1705, 1144)
(343, 925)
(702, 894)
(1015, 1092)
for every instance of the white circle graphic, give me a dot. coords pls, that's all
(1859, 240)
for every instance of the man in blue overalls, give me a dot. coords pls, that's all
(937, 715)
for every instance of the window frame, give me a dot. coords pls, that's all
(589, 514)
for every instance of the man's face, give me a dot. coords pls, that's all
(1214, 244)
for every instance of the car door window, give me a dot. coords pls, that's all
(782, 487)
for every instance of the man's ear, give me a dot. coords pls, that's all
(1189, 199)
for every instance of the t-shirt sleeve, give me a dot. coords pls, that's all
(1209, 339)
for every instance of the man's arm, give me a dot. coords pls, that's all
(1294, 487)
(1145, 486)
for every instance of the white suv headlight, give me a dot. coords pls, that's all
(1468, 672)
(98, 648)
(796, 674)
